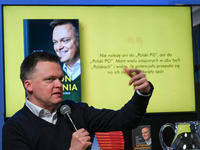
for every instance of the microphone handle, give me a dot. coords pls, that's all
(71, 121)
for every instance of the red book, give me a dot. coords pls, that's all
(113, 140)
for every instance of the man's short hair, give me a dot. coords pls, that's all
(28, 65)
(73, 22)
(142, 127)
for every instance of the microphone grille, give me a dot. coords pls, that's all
(65, 109)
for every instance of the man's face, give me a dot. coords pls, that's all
(66, 43)
(146, 134)
(45, 85)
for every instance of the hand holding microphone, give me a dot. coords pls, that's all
(80, 138)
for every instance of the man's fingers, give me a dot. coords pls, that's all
(137, 77)
(141, 86)
(80, 139)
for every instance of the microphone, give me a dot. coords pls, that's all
(65, 110)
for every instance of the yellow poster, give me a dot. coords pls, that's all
(155, 39)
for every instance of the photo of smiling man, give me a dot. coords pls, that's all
(146, 134)
(141, 137)
(65, 39)
(60, 37)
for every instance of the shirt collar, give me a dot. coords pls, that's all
(149, 142)
(34, 108)
(38, 111)
(76, 70)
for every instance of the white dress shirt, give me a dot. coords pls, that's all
(76, 70)
(42, 113)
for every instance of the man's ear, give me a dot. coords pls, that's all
(28, 85)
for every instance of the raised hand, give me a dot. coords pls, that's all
(138, 79)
